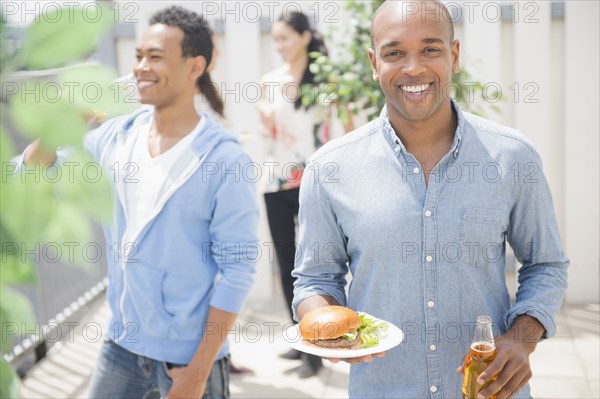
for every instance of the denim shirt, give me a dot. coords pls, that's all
(429, 258)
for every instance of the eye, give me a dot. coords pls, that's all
(393, 53)
(431, 50)
(138, 58)
(155, 57)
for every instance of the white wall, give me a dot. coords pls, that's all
(553, 66)
(580, 144)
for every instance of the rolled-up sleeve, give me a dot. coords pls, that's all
(535, 238)
(321, 256)
(233, 231)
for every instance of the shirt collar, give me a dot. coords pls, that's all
(460, 129)
(394, 141)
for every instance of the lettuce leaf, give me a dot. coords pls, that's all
(371, 329)
(351, 336)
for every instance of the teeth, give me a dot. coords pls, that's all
(145, 83)
(415, 88)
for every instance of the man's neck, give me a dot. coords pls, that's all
(174, 122)
(428, 140)
(418, 136)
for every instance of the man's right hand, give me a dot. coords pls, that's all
(36, 154)
(44, 156)
(357, 360)
(314, 302)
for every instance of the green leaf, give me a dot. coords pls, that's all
(350, 336)
(9, 381)
(64, 34)
(27, 200)
(15, 270)
(86, 187)
(41, 110)
(345, 90)
(343, 115)
(94, 90)
(16, 312)
(6, 148)
(70, 230)
(4, 56)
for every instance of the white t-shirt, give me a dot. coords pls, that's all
(153, 177)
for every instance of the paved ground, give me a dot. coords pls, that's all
(566, 366)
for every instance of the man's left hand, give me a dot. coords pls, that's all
(186, 384)
(511, 364)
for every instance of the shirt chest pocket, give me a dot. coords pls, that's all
(482, 236)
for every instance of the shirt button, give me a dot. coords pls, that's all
(429, 258)
(416, 171)
(430, 304)
(432, 347)
(397, 148)
(433, 388)
(428, 213)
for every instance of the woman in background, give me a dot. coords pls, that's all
(294, 133)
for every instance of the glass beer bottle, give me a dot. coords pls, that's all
(483, 351)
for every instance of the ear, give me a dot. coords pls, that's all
(455, 51)
(373, 59)
(198, 67)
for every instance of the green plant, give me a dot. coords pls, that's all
(48, 203)
(348, 80)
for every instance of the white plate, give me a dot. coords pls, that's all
(391, 338)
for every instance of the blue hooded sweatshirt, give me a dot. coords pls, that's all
(199, 248)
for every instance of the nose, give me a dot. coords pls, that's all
(413, 66)
(141, 65)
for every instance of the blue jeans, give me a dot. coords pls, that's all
(121, 374)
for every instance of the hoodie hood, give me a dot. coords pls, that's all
(212, 133)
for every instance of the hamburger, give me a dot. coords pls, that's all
(332, 327)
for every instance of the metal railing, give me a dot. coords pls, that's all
(62, 295)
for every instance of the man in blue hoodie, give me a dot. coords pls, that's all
(185, 221)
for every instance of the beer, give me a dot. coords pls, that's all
(481, 354)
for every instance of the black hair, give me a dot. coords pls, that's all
(299, 22)
(196, 32)
(209, 89)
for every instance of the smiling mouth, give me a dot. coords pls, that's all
(415, 88)
(142, 84)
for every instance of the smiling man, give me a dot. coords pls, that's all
(186, 233)
(419, 210)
